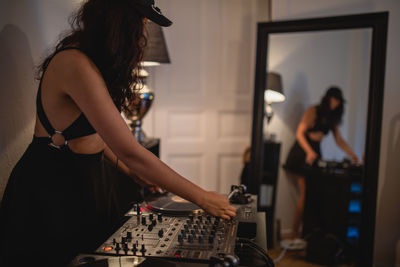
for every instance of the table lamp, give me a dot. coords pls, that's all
(273, 93)
(155, 54)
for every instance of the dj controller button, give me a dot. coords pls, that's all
(162, 245)
(159, 217)
(151, 216)
(159, 251)
(108, 248)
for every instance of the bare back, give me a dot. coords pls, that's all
(61, 110)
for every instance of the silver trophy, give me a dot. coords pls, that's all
(139, 106)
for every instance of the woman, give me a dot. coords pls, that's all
(315, 124)
(59, 201)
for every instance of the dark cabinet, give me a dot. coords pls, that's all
(269, 184)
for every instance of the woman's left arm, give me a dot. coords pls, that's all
(343, 145)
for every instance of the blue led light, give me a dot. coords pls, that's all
(355, 188)
(352, 232)
(355, 206)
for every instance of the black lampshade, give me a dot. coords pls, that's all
(274, 90)
(156, 50)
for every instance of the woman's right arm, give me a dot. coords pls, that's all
(84, 84)
(306, 122)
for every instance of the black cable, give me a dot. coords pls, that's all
(258, 249)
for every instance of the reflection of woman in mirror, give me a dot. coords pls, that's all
(315, 124)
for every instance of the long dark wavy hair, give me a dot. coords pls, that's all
(324, 113)
(112, 35)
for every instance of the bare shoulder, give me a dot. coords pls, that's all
(73, 59)
(311, 112)
(76, 71)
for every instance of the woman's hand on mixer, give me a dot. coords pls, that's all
(218, 205)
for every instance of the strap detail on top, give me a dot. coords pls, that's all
(80, 127)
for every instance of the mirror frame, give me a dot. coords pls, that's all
(378, 23)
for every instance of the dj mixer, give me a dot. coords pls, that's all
(172, 229)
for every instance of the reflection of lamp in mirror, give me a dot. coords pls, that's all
(273, 93)
(155, 53)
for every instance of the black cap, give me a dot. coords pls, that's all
(335, 92)
(148, 9)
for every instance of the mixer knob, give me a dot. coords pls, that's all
(123, 239)
(186, 227)
(150, 227)
(160, 233)
(211, 239)
(192, 231)
(129, 235)
(212, 232)
(197, 222)
(180, 239)
(125, 248)
(154, 222)
(143, 220)
(143, 249)
(151, 216)
(203, 232)
(188, 221)
(200, 239)
(191, 217)
(209, 218)
(134, 249)
(117, 248)
(159, 217)
(200, 218)
(114, 241)
(190, 239)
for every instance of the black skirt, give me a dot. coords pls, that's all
(296, 160)
(57, 204)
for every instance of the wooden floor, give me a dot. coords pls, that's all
(293, 258)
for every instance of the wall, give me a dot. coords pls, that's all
(27, 30)
(387, 230)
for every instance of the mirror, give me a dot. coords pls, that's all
(312, 55)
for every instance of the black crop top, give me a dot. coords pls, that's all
(80, 127)
(319, 125)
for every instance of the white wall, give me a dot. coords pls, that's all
(387, 230)
(27, 30)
